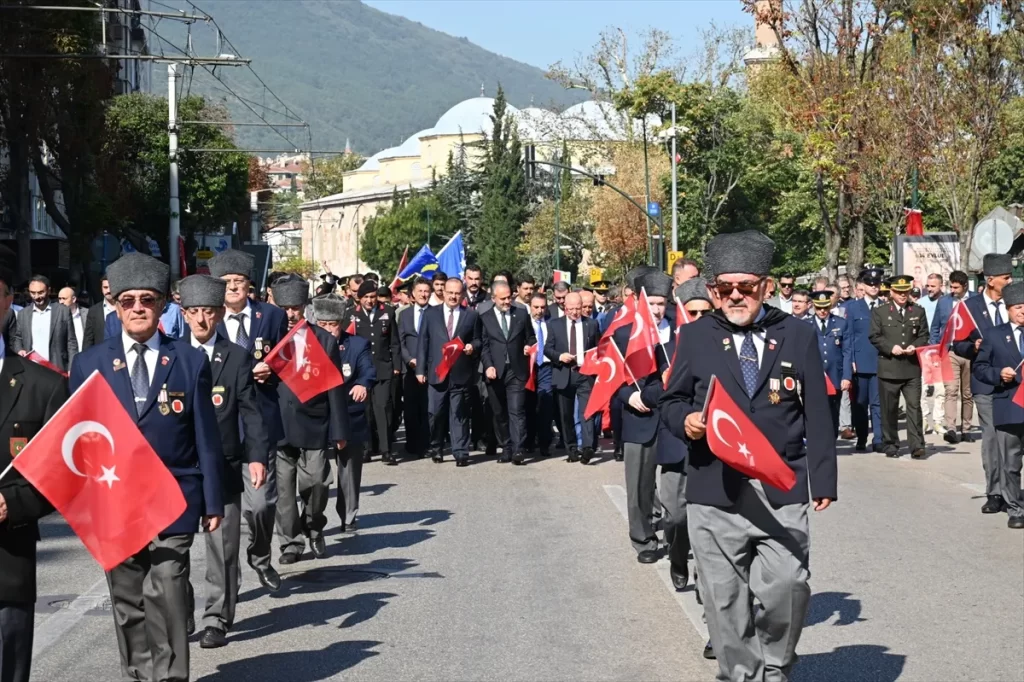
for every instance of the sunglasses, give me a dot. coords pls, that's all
(128, 302)
(697, 313)
(747, 288)
(786, 285)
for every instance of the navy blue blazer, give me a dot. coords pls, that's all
(858, 325)
(357, 369)
(835, 348)
(322, 420)
(785, 419)
(965, 349)
(557, 343)
(999, 350)
(434, 334)
(188, 442)
(269, 324)
(641, 427)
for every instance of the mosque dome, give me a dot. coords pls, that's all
(411, 147)
(470, 117)
(537, 125)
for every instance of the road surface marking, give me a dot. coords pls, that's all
(58, 624)
(974, 487)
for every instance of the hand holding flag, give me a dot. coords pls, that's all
(40, 360)
(302, 364)
(450, 353)
(531, 354)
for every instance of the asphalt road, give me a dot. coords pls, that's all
(495, 572)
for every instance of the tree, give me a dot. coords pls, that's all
(324, 177)
(459, 192)
(400, 225)
(503, 204)
(1004, 178)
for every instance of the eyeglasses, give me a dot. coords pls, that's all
(128, 302)
(746, 288)
(697, 313)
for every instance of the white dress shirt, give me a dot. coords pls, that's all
(299, 340)
(664, 331)
(107, 309)
(871, 302)
(206, 347)
(417, 315)
(1017, 331)
(455, 323)
(990, 305)
(232, 325)
(508, 317)
(3, 352)
(576, 328)
(41, 329)
(150, 357)
(77, 323)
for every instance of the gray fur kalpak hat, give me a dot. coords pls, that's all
(996, 264)
(655, 283)
(693, 289)
(138, 271)
(328, 308)
(1013, 294)
(202, 291)
(634, 276)
(748, 252)
(291, 292)
(232, 262)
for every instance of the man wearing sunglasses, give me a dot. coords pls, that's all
(784, 299)
(751, 540)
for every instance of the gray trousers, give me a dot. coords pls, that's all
(672, 493)
(752, 551)
(259, 508)
(302, 475)
(845, 415)
(149, 599)
(641, 465)
(16, 628)
(350, 477)
(992, 454)
(1012, 441)
(222, 571)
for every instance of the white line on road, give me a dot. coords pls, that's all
(974, 487)
(687, 600)
(57, 625)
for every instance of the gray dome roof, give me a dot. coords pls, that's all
(411, 147)
(471, 116)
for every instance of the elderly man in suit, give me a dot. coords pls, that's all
(568, 339)
(235, 403)
(68, 298)
(417, 419)
(45, 327)
(166, 387)
(29, 397)
(751, 540)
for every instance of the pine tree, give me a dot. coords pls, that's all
(459, 192)
(504, 208)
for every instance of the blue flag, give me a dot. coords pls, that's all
(423, 264)
(451, 260)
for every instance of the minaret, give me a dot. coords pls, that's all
(348, 147)
(482, 90)
(766, 43)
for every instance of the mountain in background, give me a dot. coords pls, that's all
(351, 71)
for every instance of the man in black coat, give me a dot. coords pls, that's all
(237, 407)
(96, 317)
(505, 333)
(376, 323)
(311, 432)
(417, 420)
(751, 539)
(29, 396)
(568, 339)
(447, 398)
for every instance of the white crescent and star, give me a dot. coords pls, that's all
(606, 362)
(719, 415)
(68, 449)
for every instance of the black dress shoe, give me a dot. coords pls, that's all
(861, 447)
(190, 624)
(389, 458)
(574, 455)
(437, 457)
(1015, 522)
(877, 447)
(319, 547)
(462, 461)
(951, 437)
(269, 578)
(212, 638)
(680, 577)
(287, 559)
(618, 453)
(544, 452)
(647, 556)
(966, 437)
(502, 460)
(519, 459)
(893, 453)
(588, 454)
(709, 653)
(993, 505)
(918, 454)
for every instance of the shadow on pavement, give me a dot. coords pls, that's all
(425, 517)
(376, 489)
(293, 581)
(353, 610)
(826, 604)
(368, 543)
(855, 663)
(297, 666)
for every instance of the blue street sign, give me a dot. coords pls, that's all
(654, 208)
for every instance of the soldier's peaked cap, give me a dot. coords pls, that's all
(138, 271)
(747, 252)
(901, 283)
(202, 291)
(822, 299)
(232, 262)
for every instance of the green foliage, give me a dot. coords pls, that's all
(284, 208)
(323, 177)
(404, 224)
(575, 235)
(298, 265)
(459, 193)
(1005, 178)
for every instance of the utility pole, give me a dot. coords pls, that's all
(558, 237)
(675, 196)
(174, 231)
(647, 194)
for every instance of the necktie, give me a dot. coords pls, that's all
(572, 339)
(540, 343)
(504, 324)
(997, 318)
(241, 338)
(140, 377)
(1020, 340)
(419, 319)
(451, 322)
(823, 331)
(749, 363)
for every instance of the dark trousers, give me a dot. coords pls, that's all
(672, 495)
(616, 413)
(449, 414)
(508, 403)
(417, 417)
(834, 402)
(481, 416)
(867, 403)
(539, 408)
(380, 416)
(889, 391)
(579, 386)
(397, 403)
(16, 627)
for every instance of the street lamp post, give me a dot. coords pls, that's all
(647, 193)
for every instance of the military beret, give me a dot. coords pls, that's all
(202, 291)
(1013, 294)
(367, 287)
(748, 252)
(328, 308)
(693, 289)
(232, 262)
(138, 271)
(291, 292)
(822, 299)
(901, 283)
(995, 264)
(655, 283)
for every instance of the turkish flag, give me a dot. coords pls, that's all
(591, 362)
(40, 360)
(682, 317)
(931, 359)
(915, 223)
(309, 375)
(531, 382)
(450, 352)
(735, 440)
(95, 467)
(960, 325)
(643, 340)
(623, 316)
(1018, 397)
(611, 376)
(351, 328)
(830, 388)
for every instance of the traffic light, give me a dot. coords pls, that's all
(530, 158)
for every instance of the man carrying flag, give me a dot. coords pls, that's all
(751, 539)
(166, 387)
(568, 339)
(999, 364)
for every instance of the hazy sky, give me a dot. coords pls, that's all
(540, 32)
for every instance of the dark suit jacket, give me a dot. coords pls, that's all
(999, 350)
(36, 394)
(641, 427)
(502, 353)
(408, 337)
(63, 344)
(9, 328)
(978, 306)
(553, 312)
(357, 369)
(700, 354)
(382, 335)
(321, 421)
(434, 334)
(187, 442)
(95, 327)
(558, 343)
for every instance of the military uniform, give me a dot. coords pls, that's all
(864, 399)
(835, 349)
(906, 326)
(379, 327)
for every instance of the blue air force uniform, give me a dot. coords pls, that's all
(865, 365)
(835, 348)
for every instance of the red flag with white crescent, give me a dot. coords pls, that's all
(959, 327)
(1018, 397)
(94, 466)
(930, 358)
(623, 316)
(531, 381)
(611, 375)
(737, 441)
(303, 364)
(682, 317)
(643, 340)
(450, 353)
(40, 360)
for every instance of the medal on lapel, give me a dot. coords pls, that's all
(164, 408)
(727, 343)
(771, 344)
(258, 348)
(773, 395)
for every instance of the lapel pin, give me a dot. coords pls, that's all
(1009, 340)
(118, 364)
(13, 383)
(164, 360)
(217, 358)
(258, 314)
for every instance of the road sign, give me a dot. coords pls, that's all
(204, 254)
(673, 256)
(654, 208)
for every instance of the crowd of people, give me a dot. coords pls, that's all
(468, 368)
